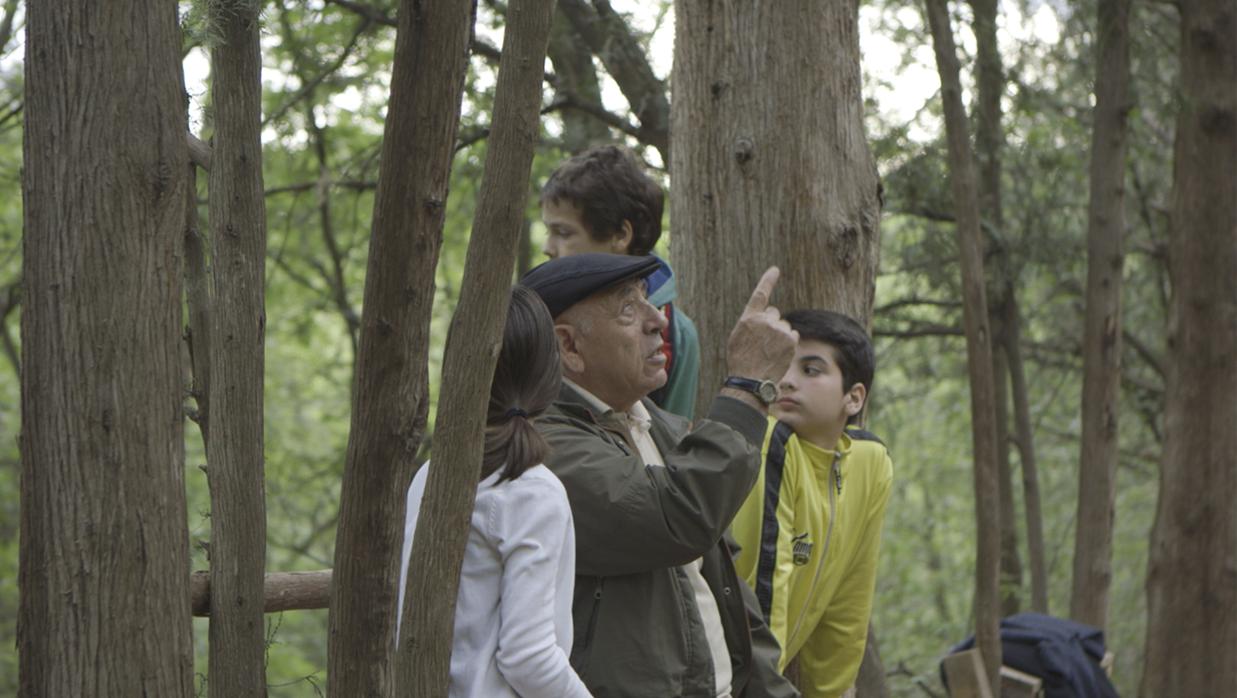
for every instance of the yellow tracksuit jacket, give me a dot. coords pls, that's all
(810, 536)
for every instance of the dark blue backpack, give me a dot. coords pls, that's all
(1065, 654)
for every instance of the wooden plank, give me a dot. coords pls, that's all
(1018, 684)
(284, 591)
(965, 673)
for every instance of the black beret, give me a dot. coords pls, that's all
(565, 281)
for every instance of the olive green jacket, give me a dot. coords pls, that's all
(638, 632)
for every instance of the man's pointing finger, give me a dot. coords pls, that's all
(764, 291)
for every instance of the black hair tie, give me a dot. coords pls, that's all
(516, 412)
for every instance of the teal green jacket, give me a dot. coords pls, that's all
(678, 395)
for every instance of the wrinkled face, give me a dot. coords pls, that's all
(812, 401)
(567, 234)
(611, 344)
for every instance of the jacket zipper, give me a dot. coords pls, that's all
(591, 629)
(835, 489)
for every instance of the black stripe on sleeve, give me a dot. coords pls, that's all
(774, 463)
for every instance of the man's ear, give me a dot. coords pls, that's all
(568, 349)
(621, 243)
(855, 398)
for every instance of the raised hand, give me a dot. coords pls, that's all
(761, 345)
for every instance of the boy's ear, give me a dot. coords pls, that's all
(854, 399)
(568, 350)
(621, 242)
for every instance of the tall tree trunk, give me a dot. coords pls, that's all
(577, 80)
(1026, 456)
(871, 680)
(1101, 344)
(238, 326)
(770, 163)
(472, 349)
(524, 250)
(103, 579)
(978, 348)
(611, 40)
(1011, 563)
(1192, 573)
(391, 387)
(989, 141)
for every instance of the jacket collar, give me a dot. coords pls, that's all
(665, 428)
(575, 402)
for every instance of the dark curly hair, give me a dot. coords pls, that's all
(609, 186)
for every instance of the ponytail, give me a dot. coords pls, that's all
(526, 382)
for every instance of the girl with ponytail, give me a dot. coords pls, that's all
(513, 626)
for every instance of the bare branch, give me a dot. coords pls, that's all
(612, 41)
(6, 26)
(924, 212)
(479, 47)
(197, 298)
(12, 298)
(293, 274)
(304, 547)
(369, 12)
(565, 101)
(18, 105)
(1144, 352)
(917, 331)
(282, 591)
(916, 301)
(569, 101)
(309, 86)
(473, 137)
(199, 152)
(301, 187)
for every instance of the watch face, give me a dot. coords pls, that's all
(767, 392)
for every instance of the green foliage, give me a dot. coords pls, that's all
(11, 86)
(921, 402)
(325, 88)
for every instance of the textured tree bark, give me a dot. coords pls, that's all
(391, 389)
(1192, 572)
(871, 680)
(1011, 563)
(1101, 343)
(989, 141)
(237, 213)
(770, 164)
(104, 597)
(1026, 456)
(473, 343)
(978, 348)
(282, 591)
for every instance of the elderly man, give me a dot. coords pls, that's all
(659, 609)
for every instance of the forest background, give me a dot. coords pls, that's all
(326, 71)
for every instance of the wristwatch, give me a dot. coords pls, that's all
(765, 391)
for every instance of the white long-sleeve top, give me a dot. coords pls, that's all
(513, 621)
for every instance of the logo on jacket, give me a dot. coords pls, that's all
(801, 551)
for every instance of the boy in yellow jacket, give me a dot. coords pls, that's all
(810, 529)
